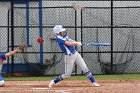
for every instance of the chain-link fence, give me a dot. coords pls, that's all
(115, 22)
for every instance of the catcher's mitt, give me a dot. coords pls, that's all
(22, 47)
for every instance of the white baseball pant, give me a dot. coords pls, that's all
(69, 63)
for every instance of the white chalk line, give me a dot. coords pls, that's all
(55, 90)
(40, 90)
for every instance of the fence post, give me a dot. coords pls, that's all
(12, 36)
(8, 32)
(40, 30)
(111, 36)
(27, 21)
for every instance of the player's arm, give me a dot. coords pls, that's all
(12, 52)
(4, 56)
(17, 50)
(74, 43)
(68, 43)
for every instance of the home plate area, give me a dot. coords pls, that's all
(72, 86)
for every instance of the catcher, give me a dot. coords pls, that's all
(71, 56)
(4, 56)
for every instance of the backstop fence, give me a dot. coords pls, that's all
(111, 21)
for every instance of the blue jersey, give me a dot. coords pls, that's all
(67, 50)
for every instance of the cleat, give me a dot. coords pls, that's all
(51, 84)
(94, 84)
(1, 83)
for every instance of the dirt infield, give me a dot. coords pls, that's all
(67, 86)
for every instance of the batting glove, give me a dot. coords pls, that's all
(79, 44)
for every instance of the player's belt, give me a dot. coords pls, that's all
(71, 53)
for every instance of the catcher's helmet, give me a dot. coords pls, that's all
(58, 28)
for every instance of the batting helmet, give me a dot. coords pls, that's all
(58, 28)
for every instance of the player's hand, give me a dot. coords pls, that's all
(18, 50)
(21, 47)
(79, 44)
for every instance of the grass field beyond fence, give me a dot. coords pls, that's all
(97, 77)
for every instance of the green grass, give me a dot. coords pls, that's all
(97, 77)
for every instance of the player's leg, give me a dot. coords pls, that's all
(1, 78)
(2, 59)
(80, 62)
(69, 62)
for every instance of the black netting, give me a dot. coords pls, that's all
(85, 21)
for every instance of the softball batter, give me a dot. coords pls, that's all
(71, 56)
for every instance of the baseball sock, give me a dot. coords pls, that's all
(59, 78)
(1, 77)
(1, 63)
(90, 76)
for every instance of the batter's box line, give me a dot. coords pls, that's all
(51, 90)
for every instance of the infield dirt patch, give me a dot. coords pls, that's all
(72, 86)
